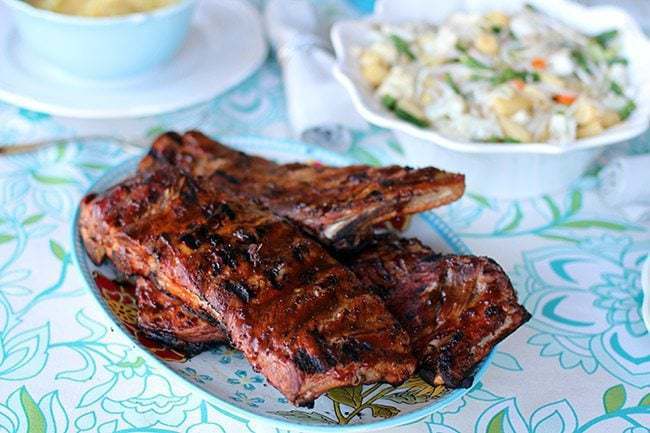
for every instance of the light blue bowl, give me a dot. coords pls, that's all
(105, 47)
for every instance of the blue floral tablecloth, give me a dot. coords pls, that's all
(582, 364)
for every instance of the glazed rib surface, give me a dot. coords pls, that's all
(338, 205)
(454, 308)
(300, 317)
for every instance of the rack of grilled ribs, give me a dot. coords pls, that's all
(301, 191)
(455, 308)
(337, 205)
(300, 317)
(164, 318)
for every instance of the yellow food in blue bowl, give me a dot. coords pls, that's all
(102, 39)
(100, 8)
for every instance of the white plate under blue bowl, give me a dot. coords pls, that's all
(223, 377)
(225, 44)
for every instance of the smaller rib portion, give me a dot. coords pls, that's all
(455, 308)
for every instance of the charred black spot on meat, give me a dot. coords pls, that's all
(387, 183)
(353, 348)
(431, 257)
(494, 312)
(227, 210)
(376, 195)
(428, 375)
(153, 195)
(216, 265)
(230, 178)
(445, 363)
(330, 358)
(215, 240)
(240, 289)
(189, 191)
(215, 211)
(261, 231)
(196, 238)
(455, 338)
(307, 276)
(172, 135)
(360, 176)
(190, 240)
(201, 234)
(209, 210)
(299, 251)
(229, 255)
(274, 273)
(330, 281)
(307, 363)
(466, 382)
(89, 197)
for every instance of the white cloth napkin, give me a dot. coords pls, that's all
(315, 100)
(624, 185)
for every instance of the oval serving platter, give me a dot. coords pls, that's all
(223, 376)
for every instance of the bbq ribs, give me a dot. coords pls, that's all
(454, 308)
(338, 205)
(166, 319)
(300, 317)
(203, 228)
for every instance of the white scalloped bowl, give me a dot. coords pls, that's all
(497, 170)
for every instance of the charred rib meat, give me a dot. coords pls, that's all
(164, 318)
(301, 318)
(338, 205)
(455, 308)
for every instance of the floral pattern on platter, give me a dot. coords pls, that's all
(379, 400)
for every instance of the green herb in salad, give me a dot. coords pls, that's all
(451, 83)
(389, 102)
(478, 77)
(496, 30)
(603, 39)
(627, 110)
(471, 62)
(497, 139)
(460, 46)
(581, 60)
(617, 60)
(616, 88)
(405, 115)
(509, 74)
(402, 46)
(531, 7)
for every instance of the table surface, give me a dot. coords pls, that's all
(581, 364)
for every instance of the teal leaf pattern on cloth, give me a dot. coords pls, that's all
(607, 330)
(506, 361)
